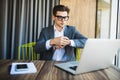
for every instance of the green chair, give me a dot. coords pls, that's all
(26, 52)
(78, 54)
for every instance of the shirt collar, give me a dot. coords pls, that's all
(57, 30)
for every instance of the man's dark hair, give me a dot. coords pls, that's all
(60, 8)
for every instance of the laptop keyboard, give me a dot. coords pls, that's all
(73, 67)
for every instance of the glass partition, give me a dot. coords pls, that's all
(108, 22)
(103, 19)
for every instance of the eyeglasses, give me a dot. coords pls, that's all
(60, 18)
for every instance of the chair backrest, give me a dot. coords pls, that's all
(26, 52)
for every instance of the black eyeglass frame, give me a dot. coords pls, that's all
(60, 18)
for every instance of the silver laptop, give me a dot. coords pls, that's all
(97, 54)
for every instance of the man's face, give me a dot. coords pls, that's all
(61, 18)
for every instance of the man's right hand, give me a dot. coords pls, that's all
(59, 42)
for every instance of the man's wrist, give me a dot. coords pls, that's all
(70, 42)
(52, 42)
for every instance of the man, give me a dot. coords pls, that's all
(58, 42)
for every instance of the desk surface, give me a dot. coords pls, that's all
(47, 71)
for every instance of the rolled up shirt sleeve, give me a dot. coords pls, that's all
(48, 46)
(72, 43)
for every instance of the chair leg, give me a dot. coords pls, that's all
(19, 52)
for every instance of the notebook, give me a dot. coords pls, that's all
(97, 54)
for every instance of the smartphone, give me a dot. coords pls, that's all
(21, 67)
